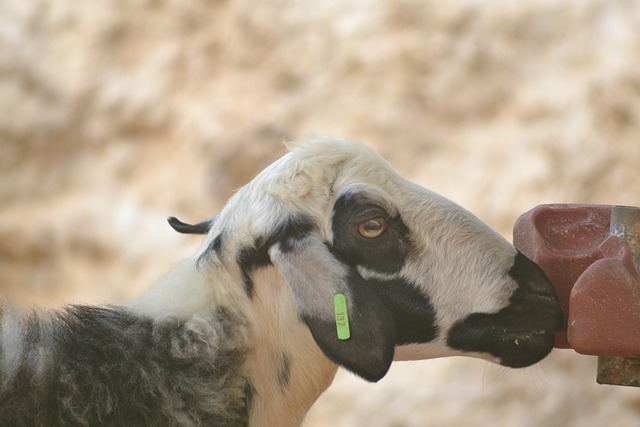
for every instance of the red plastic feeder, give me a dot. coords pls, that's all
(591, 254)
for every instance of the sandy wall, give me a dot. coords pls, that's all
(115, 114)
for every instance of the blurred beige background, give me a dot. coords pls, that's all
(116, 114)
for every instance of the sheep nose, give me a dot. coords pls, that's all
(541, 287)
(531, 278)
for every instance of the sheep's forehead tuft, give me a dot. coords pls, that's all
(304, 183)
(324, 163)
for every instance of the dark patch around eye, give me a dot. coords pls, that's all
(385, 253)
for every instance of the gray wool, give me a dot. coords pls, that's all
(87, 366)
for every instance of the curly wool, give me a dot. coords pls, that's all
(106, 366)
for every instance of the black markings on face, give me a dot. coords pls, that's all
(520, 334)
(369, 350)
(412, 312)
(386, 253)
(506, 335)
(251, 258)
(354, 216)
(530, 278)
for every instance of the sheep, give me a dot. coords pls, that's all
(245, 332)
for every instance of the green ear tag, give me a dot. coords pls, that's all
(342, 318)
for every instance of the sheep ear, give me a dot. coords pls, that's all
(199, 228)
(315, 276)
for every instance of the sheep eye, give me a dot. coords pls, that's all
(372, 228)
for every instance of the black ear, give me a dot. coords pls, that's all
(199, 228)
(315, 276)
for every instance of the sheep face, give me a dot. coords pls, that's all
(422, 277)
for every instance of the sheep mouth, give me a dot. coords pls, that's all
(522, 349)
(518, 335)
(514, 349)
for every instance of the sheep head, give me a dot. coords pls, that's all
(422, 277)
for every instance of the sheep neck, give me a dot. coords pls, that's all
(287, 370)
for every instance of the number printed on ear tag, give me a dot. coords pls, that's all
(342, 318)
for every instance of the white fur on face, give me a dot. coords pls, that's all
(457, 260)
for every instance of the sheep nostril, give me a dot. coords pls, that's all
(540, 287)
(530, 278)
